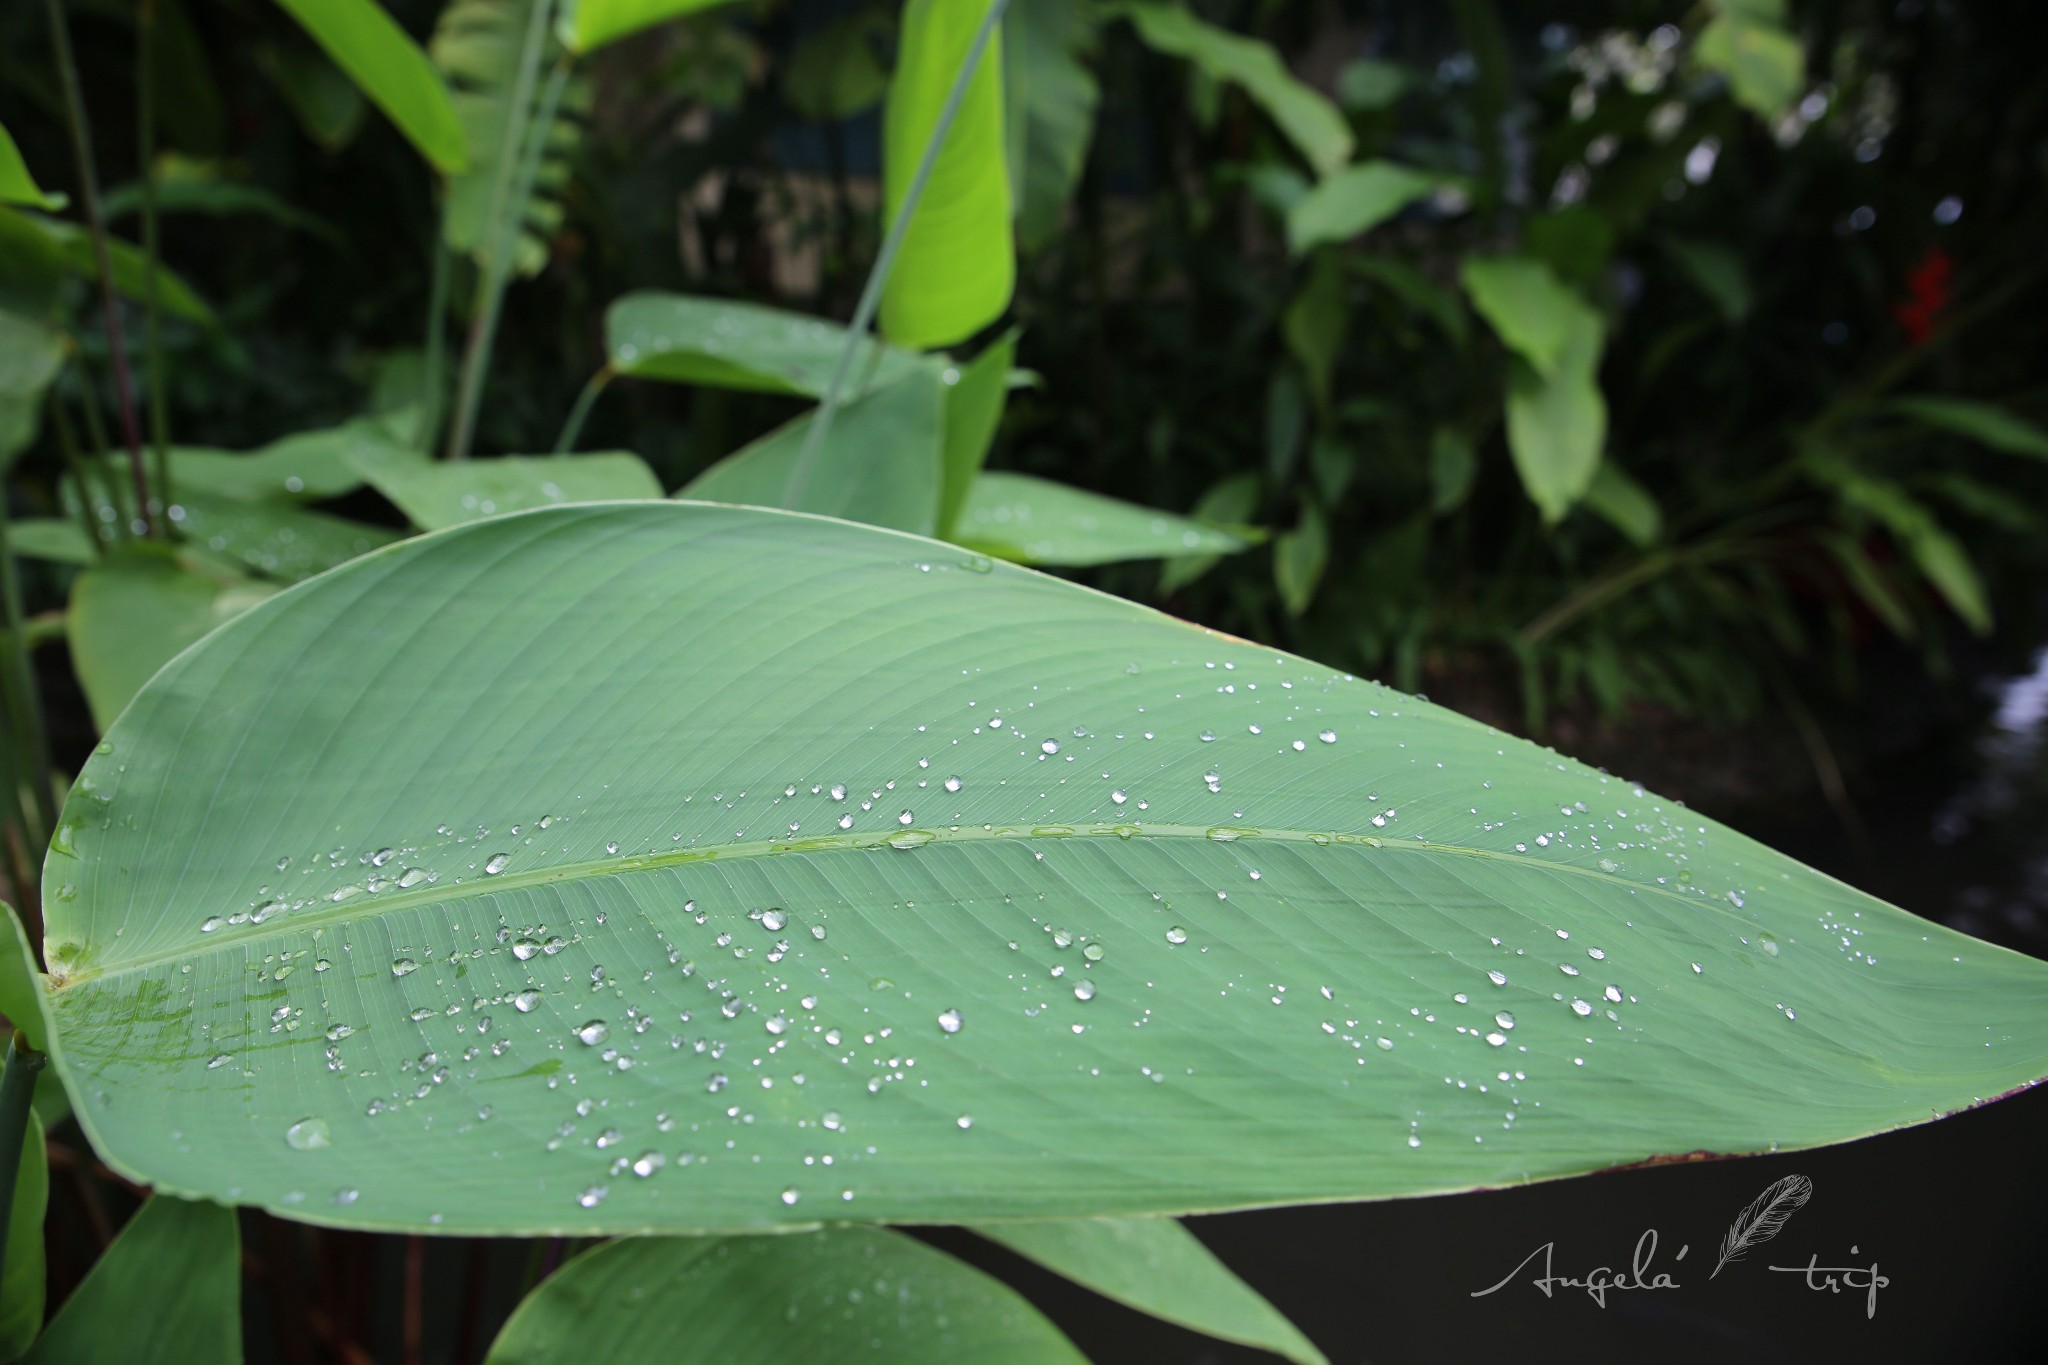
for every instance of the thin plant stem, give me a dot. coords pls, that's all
(432, 381)
(89, 197)
(413, 1311)
(152, 314)
(17, 1102)
(96, 442)
(74, 464)
(585, 401)
(499, 244)
(885, 260)
(24, 707)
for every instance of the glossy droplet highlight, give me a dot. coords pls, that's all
(308, 1135)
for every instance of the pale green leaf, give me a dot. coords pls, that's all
(21, 985)
(1049, 98)
(651, 691)
(880, 463)
(1299, 558)
(1308, 118)
(586, 25)
(134, 611)
(389, 67)
(270, 538)
(728, 345)
(957, 267)
(1985, 423)
(307, 466)
(1355, 200)
(1313, 325)
(974, 409)
(1157, 1266)
(1036, 521)
(1557, 425)
(59, 540)
(17, 186)
(1536, 316)
(851, 1294)
(1626, 504)
(31, 353)
(437, 493)
(1371, 85)
(1763, 63)
(183, 1261)
(1229, 503)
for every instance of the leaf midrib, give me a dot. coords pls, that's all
(354, 910)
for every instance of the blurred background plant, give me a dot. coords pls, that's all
(1657, 379)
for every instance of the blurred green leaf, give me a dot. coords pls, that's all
(1229, 503)
(805, 1299)
(1049, 98)
(974, 409)
(17, 186)
(687, 340)
(586, 25)
(1984, 423)
(880, 463)
(388, 67)
(1557, 423)
(1747, 43)
(1308, 118)
(957, 266)
(1868, 582)
(31, 354)
(1417, 290)
(1157, 1266)
(1626, 504)
(837, 71)
(1535, 315)
(132, 612)
(58, 540)
(216, 198)
(180, 1259)
(1036, 521)
(271, 538)
(71, 245)
(307, 466)
(437, 493)
(1314, 323)
(1453, 464)
(1939, 556)
(1355, 200)
(1717, 270)
(328, 107)
(1299, 558)
(21, 985)
(1370, 85)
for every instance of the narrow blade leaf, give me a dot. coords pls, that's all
(181, 1259)
(727, 345)
(1036, 521)
(389, 67)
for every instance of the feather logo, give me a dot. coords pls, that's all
(1762, 1220)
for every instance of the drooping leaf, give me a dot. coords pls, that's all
(71, 246)
(1985, 423)
(728, 345)
(389, 67)
(957, 267)
(880, 462)
(1557, 424)
(307, 466)
(1314, 323)
(850, 1294)
(1939, 556)
(437, 493)
(651, 691)
(1299, 558)
(1355, 200)
(23, 1289)
(1311, 122)
(1035, 521)
(1626, 504)
(1747, 43)
(1230, 503)
(477, 44)
(17, 186)
(1157, 1266)
(974, 409)
(1049, 98)
(31, 353)
(586, 25)
(132, 612)
(1536, 316)
(182, 1259)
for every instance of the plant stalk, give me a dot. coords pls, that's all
(74, 464)
(89, 196)
(24, 708)
(585, 401)
(431, 381)
(17, 1102)
(506, 207)
(152, 315)
(885, 260)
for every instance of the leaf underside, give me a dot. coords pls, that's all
(443, 890)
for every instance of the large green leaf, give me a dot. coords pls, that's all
(585, 25)
(439, 493)
(384, 905)
(880, 463)
(478, 44)
(389, 67)
(133, 611)
(1036, 521)
(17, 186)
(957, 266)
(853, 1294)
(728, 345)
(180, 1263)
(1985, 423)
(23, 1289)
(1049, 99)
(1354, 200)
(1157, 1266)
(1308, 118)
